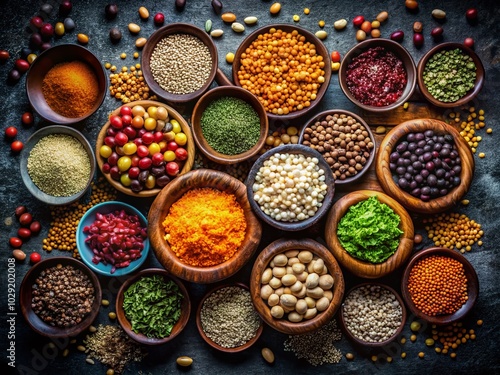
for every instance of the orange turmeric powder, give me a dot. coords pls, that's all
(71, 88)
(205, 227)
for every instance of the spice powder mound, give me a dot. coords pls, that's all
(205, 227)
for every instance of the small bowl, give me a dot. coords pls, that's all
(32, 141)
(86, 252)
(354, 265)
(472, 286)
(147, 51)
(399, 51)
(322, 116)
(261, 263)
(125, 324)
(471, 94)
(410, 202)
(201, 178)
(173, 114)
(44, 62)
(370, 344)
(25, 298)
(204, 102)
(329, 181)
(212, 343)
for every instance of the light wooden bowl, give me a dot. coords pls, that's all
(262, 262)
(410, 202)
(201, 178)
(359, 267)
(173, 114)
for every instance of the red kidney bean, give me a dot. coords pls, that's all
(25, 219)
(35, 227)
(398, 35)
(15, 242)
(20, 210)
(24, 233)
(437, 32)
(418, 39)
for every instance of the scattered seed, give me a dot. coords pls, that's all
(307, 11)
(465, 202)
(403, 355)
(89, 361)
(321, 23)
(481, 155)
(237, 27)
(382, 16)
(250, 20)
(140, 42)
(228, 17)
(65, 352)
(321, 34)
(230, 58)
(296, 18)
(112, 315)
(134, 28)
(268, 355)
(406, 105)
(380, 130)
(349, 356)
(82, 38)
(439, 14)
(80, 348)
(105, 302)
(184, 361)
(143, 13)
(208, 25)
(275, 8)
(340, 24)
(216, 33)
(92, 329)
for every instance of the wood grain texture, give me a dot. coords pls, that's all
(356, 266)
(171, 193)
(410, 202)
(261, 263)
(172, 113)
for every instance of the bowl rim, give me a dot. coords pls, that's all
(178, 326)
(86, 253)
(472, 285)
(212, 343)
(25, 298)
(25, 153)
(358, 118)
(400, 51)
(471, 94)
(71, 52)
(327, 201)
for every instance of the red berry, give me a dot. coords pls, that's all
(145, 163)
(11, 132)
(134, 172)
(358, 21)
(471, 14)
(157, 158)
(126, 110)
(35, 258)
(142, 151)
(335, 56)
(121, 139)
(469, 42)
(35, 227)
(181, 154)
(159, 19)
(16, 146)
(27, 118)
(172, 168)
(15, 242)
(172, 146)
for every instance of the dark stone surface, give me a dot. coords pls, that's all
(33, 355)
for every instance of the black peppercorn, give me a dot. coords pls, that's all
(115, 35)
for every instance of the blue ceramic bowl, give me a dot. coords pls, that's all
(86, 252)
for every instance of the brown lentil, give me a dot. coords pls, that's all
(128, 85)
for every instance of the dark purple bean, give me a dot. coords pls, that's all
(419, 151)
(406, 154)
(418, 179)
(413, 185)
(417, 165)
(394, 157)
(402, 146)
(143, 176)
(162, 180)
(425, 198)
(412, 146)
(403, 183)
(440, 173)
(136, 186)
(426, 190)
(432, 180)
(400, 170)
(415, 192)
(457, 169)
(429, 166)
(429, 133)
(427, 156)
(410, 137)
(424, 173)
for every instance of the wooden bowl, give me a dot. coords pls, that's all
(291, 149)
(126, 325)
(25, 298)
(44, 62)
(204, 102)
(399, 51)
(212, 343)
(201, 178)
(471, 94)
(370, 344)
(157, 36)
(173, 114)
(359, 267)
(472, 286)
(262, 262)
(410, 202)
(320, 117)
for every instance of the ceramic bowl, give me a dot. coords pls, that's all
(399, 51)
(359, 267)
(85, 250)
(409, 201)
(472, 286)
(32, 141)
(25, 298)
(471, 94)
(201, 178)
(46, 61)
(127, 326)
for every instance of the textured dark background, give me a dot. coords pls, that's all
(478, 357)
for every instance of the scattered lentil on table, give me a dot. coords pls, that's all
(471, 121)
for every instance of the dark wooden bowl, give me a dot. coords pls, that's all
(399, 51)
(212, 343)
(262, 262)
(46, 61)
(158, 35)
(125, 324)
(321, 116)
(291, 149)
(471, 94)
(204, 102)
(201, 178)
(172, 113)
(410, 202)
(359, 267)
(472, 286)
(368, 344)
(25, 297)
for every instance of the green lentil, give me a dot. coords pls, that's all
(230, 125)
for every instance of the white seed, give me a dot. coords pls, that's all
(250, 20)
(216, 33)
(321, 34)
(237, 27)
(340, 24)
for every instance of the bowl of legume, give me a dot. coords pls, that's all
(153, 306)
(57, 165)
(229, 125)
(378, 75)
(439, 285)
(60, 297)
(450, 75)
(425, 165)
